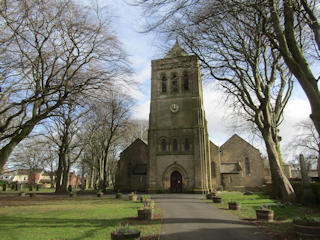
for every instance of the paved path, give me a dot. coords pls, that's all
(186, 217)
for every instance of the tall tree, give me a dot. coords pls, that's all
(49, 51)
(293, 24)
(233, 49)
(108, 123)
(64, 133)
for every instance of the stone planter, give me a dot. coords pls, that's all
(133, 197)
(234, 205)
(73, 194)
(211, 195)
(99, 194)
(216, 199)
(132, 235)
(306, 230)
(264, 215)
(22, 194)
(119, 195)
(145, 214)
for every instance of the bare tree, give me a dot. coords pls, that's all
(29, 155)
(136, 128)
(308, 140)
(233, 49)
(107, 125)
(65, 134)
(49, 51)
(293, 22)
(292, 27)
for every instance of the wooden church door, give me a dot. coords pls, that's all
(176, 182)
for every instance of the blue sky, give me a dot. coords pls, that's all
(142, 48)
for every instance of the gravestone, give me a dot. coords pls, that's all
(308, 197)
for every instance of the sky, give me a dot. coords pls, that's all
(142, 48)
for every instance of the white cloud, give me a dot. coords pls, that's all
(297, 110)
(217, 113)
(141, 110)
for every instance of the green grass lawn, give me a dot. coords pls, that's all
(85, 217)
(283, 213)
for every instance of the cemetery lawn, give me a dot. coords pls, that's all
(283, 213)
(61, 217)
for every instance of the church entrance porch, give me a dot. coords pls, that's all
(176, 182)
(175, 179)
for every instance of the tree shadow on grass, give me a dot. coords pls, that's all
(12, 224)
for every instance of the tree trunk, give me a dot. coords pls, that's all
(280, 183)
(294, 58)
(91, 177)
(318, 163)
(62, 157)
(65, 178)
(8, 148)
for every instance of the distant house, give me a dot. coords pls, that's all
(27, 176)
(17, 176)
(74, 180)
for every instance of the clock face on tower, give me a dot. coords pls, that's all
(174, 107)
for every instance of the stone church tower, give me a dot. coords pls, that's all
(179, 154)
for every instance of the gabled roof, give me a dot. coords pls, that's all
(236, 137)
(176, 51)
(138, 141)
(214, 145)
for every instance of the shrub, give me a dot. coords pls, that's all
(307, 220)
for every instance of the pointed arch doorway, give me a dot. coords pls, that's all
(176, 182)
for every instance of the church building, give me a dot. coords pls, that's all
(179, 156)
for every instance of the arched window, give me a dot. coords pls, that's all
(185, 82)
(213, 169)
(247, 164)
(174, 83)
(163, 84)
(174, 145)
(163, 145)
(186, 145)
(129, 169)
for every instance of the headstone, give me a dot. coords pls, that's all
(308, 197)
